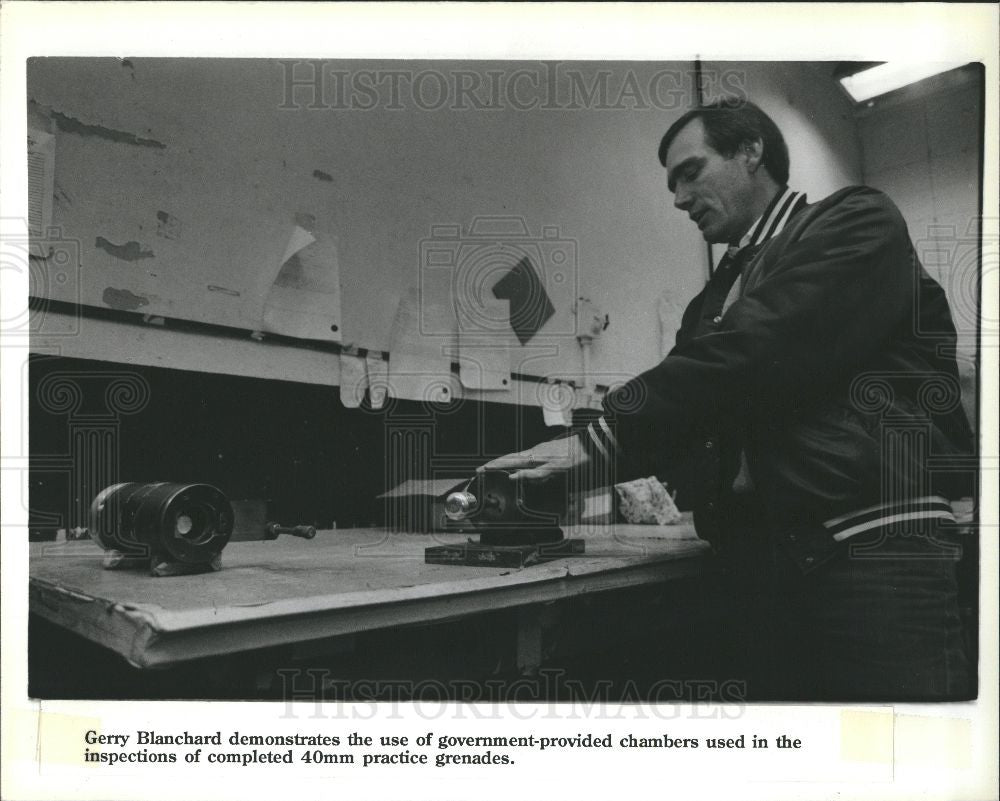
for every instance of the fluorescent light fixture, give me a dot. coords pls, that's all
(891, 75)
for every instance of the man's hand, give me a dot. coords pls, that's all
(542, 461)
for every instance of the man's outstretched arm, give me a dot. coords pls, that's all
(834, 296)
(561, 455)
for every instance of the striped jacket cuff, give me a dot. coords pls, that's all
(858, 522)
(598, 441)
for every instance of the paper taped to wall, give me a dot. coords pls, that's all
(41, 181)
(353, 380)
(299, 239)
(378, 380)
(304, 300)
(421, 349)
(556, 417)
(557, 401)
(485, 340)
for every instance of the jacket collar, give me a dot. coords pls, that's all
(782, 207)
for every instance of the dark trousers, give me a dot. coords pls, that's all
(877, 622)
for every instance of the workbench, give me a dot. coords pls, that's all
(344, 582)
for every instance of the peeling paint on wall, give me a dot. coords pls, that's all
(167, 226)
(223, 290)
(319, 175)
(72, 125)
(123, 299)
(305, 220)
(130, 251)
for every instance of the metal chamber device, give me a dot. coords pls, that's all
(185, 523)
(505, 512)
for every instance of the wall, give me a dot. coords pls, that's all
(923, 149)
(815, 117)
(813, 114)
(216, 202)
(237, 172)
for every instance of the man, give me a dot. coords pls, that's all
(811, 382)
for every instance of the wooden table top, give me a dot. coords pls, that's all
(342, 582)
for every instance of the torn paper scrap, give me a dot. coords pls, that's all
(421, 348)
(646, 500)
(556, 417)
(378, 380)
(557, 400)
(265, 280)
(353, 380)
(485, 342)
(593, 400)
(304, 300)
(299, 239)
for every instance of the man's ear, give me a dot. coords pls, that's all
(753, 152)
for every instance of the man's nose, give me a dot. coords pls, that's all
(682, 199)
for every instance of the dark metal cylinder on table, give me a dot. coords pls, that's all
(189, 523)
(507, 512)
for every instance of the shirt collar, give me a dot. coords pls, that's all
(773, 220)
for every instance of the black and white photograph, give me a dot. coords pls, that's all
(496, 382)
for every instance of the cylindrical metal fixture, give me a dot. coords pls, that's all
(189, 523)
(459, 505)
(506, 512)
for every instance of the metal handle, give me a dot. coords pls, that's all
(273, 530)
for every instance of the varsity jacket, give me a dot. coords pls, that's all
(824, 382)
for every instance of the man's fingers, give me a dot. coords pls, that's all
(532, 474)
(522, 459)
(502, 463)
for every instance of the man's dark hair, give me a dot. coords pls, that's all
(728, 124)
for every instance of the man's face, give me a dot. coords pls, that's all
(716, 192)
